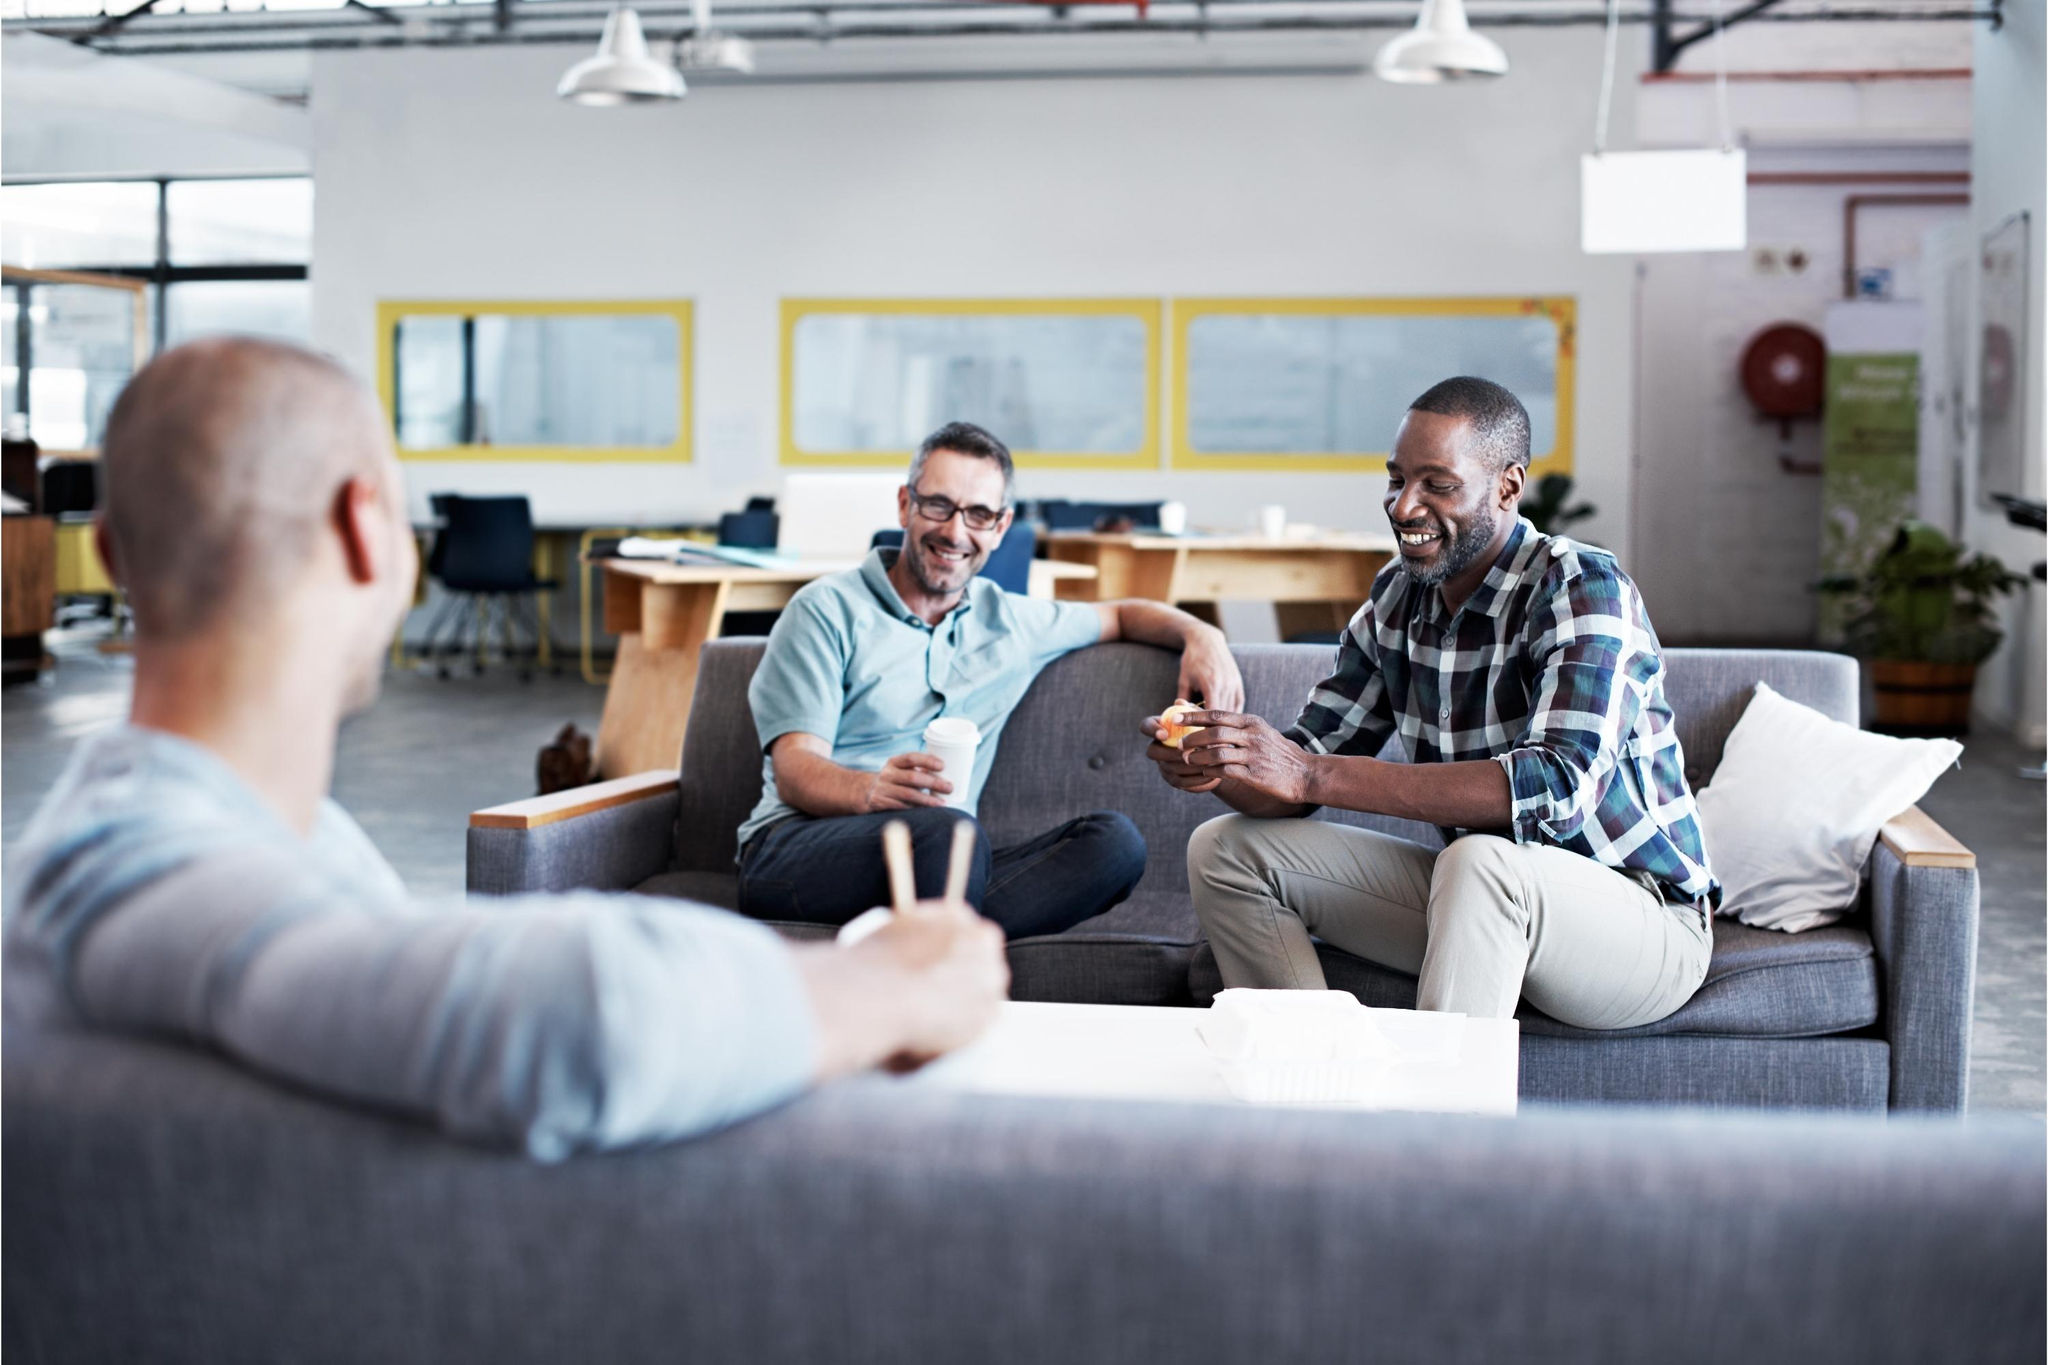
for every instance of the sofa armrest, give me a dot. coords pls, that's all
(609, 836)
(1923, 923)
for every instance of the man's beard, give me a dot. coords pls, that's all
(925, 569)
(1457, 555)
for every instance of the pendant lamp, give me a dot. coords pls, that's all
(1441, 47)
(621, 72)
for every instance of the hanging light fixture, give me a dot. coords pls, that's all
(622, 72)
(1441, 47)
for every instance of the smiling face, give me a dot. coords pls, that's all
(1449, 507)
(941, 557)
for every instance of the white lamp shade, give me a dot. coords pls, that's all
(1441, 47)
(621, 72)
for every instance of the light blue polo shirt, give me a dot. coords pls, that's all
(850, 663)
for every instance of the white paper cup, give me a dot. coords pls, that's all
(1173, 518)
(1272, 521)
(953, 740)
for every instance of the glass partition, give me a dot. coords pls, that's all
(73, 341)
(95, 223)
(544, 381)
(1324, 384)
(221, 222)
(1069, 383)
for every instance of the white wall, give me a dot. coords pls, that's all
(457, 174)
(2009, 174)
(1736, 537)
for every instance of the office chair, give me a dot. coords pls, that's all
(756, 528)
(1008, 565)
(1058, 514)
(71, 488)
(483, 558)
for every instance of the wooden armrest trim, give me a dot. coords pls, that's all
(567, 805)
(1919, 842)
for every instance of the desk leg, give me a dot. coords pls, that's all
(654, 678)
(543, 601)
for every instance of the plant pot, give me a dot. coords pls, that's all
(1922, 699)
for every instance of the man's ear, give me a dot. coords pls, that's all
(103, 541)
(903, 507)
(1511, 480)
(358, 514)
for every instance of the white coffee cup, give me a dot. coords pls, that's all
(952, 740)
(1272, 521)
(1173, 518)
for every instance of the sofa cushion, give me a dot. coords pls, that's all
(1137, 954)
(1760, 984)
(721, 889)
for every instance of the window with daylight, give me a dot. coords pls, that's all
(102, 274)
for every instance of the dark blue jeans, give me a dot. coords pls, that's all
(826, 871)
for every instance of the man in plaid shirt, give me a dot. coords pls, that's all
(1523, 677)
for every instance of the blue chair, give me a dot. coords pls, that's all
(1008, 565)
(758, 527)
(483, 557)
(1058, 514)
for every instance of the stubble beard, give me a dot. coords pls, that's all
(1457, 555)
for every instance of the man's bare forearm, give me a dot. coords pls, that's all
(817, 786)
(1469, 795)
(1156, 623)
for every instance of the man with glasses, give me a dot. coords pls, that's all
(862, 661)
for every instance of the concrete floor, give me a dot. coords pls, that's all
(413, 767)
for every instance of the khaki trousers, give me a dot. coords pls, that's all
(1482, 923)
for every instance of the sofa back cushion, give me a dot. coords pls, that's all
(1074, 744)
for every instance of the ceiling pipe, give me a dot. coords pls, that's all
(1925, 73)
(447, 26)
(1855, 203)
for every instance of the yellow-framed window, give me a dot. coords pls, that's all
(593, 381)
(1321, 384)
(1065, 383)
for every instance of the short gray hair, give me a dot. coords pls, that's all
(965, 438)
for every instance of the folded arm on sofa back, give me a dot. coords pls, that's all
(609, 836)
(1923, 923)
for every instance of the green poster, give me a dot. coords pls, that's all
(1870, 464)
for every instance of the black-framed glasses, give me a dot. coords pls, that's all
(941, 510)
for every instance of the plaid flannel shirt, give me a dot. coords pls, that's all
(1550, 669)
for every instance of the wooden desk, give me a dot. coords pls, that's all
(28, 591)
(663, 613)
(1313, 584)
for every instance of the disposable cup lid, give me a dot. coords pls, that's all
(952, 730)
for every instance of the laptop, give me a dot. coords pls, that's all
(835, 516)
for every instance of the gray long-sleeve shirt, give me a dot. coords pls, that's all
(154, 891)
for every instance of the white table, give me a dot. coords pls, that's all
(1448, 1063)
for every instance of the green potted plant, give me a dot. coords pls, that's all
(1549, 508)
(1921, 617)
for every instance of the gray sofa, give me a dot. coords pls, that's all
(1871, 1013)
(162, 1206)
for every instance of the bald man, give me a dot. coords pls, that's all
(188, 875)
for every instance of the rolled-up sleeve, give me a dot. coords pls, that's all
(1592, 668)
(801, 682)
(1350, 711)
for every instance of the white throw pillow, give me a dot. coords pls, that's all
(1795, 806)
